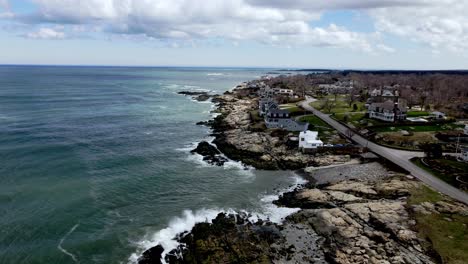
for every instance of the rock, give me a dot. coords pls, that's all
(342, 197)
(206, 149)
(395, 188)
(199, 96)
(357, 188)
(314, 195)
(451, 208)
(210, 153)
(152, 255)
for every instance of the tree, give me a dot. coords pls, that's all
(355, 107)
(328, 105)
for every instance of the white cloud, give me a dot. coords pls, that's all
(385, 48)
(437, 23)
(335, 4)
(4, 4)
(185, 20)
(46, 33)
(441, 24)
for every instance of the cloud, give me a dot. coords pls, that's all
(186, 20)
(46, 33)
(5, 5)
(385, 48)
(336, 4)
(440, 24)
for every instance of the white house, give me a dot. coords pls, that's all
(464, 154)
(438, 115)
(308, 140)
(376, 92)
(287, 92)
(387, 111)
(466, 130)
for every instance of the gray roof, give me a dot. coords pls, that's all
(278, 111)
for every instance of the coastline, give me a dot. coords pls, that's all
(351, 218)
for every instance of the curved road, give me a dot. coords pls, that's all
(399, 157)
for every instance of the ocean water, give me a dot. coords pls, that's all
(95, 164)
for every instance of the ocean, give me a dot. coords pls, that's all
(95, 163)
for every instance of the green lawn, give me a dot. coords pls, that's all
(293, 109)
(448, 178)
(417, 113)
(340, 106)
(352, 117)
(447, 238)
(428, 128)
(319, 125)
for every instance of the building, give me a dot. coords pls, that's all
(265, 105)
(284, 92)
(277, 118)
(387, 111)
(376, 92)
(309, 141)
(465, 131)
(464, 154)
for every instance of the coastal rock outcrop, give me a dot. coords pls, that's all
(210, 153)
(198, 96)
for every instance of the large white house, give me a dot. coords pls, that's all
(387, 111)
(464, 154)
(308, 140)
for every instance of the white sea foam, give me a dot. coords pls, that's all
(215, 74)
(64, 251)
(167, 237)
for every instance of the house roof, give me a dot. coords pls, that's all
(387, 105)
(278, 111)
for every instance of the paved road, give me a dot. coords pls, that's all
(399, 157)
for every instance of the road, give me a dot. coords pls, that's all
(399, 157)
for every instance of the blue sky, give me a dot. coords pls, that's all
(364, 34)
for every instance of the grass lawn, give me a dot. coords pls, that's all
(448, 238)
(319, 125)
(417, 113)
(293, 109)
(448, 178)
(428, 128)
(340, 106)
(352, 117)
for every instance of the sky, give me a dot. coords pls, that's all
(338, 34)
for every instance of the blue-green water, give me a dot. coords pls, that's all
(95, 164)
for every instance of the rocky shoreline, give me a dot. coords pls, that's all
(343, 221)
(348, 213)
(239, 138)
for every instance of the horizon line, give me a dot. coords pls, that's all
(235, 67)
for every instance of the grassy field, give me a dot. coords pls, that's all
(340, 106)
(417, 113)
(447, 233)
(293, 109)
(448, 178)
(351, 117)
(325, 131)
(428, 128)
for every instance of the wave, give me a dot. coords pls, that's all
(64, 251)
(167, 237)
(215, 74)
